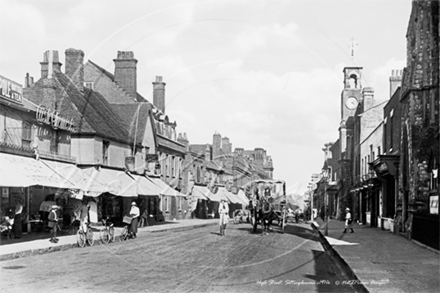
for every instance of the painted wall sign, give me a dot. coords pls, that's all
(54, 119)
(11, 90)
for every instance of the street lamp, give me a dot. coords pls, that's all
(325, 178)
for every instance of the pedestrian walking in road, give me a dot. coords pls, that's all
(18, 219)
(223, 211)
(134, 213)
(348, 221)
(53, 224)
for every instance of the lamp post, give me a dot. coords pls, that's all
(325, 178)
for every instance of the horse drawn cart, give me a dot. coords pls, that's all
(267, 202)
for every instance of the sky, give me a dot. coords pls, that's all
(264, 73)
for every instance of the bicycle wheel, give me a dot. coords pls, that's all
(124, 233)
(104, 236)
(89, 237)
(111, 234)
(81, 238)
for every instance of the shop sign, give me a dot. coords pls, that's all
(5, 192)
(11, 90)
(151, 157)
(52, 118)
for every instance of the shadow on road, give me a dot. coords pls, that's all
(294, 230)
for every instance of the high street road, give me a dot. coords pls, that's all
(197, 260)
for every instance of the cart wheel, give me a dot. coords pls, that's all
(89, 237)
(81, 238)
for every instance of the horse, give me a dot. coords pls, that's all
(265, 214)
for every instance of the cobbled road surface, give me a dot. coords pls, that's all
(195, 260)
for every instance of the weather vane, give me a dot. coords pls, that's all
(353, 44)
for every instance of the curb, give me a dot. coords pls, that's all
(63, 247)
(340, 262)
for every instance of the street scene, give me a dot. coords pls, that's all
(219, 146)
(196, 260)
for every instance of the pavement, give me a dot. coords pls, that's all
(38, 243)
(376, 260)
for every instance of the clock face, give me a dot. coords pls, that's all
(351, 103)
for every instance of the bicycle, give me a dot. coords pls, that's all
(107, 234)
(85, 238)
(126, 234)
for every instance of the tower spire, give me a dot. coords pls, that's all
(352, 45)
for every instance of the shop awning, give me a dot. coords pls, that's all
(115, 181)
(201, 192)
(242, 196)
(223, 193)
(18, 171)
(165, 189)
(146, 186)
(72, 174)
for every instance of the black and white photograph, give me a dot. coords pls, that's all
(219, 146)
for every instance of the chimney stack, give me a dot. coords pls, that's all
(216, 146)
(159, 94)
(395, 81)
(50, 64)
(28, 80)
(367, 98)
(125, 72)
(75, 67)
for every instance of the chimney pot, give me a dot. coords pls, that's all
(50, 64)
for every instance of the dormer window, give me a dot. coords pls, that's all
(88, 84)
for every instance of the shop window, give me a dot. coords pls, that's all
(26, 135)
(105, 147)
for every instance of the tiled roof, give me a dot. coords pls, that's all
(90, 111)
(132, 119)
(197, 148)
(139, 98)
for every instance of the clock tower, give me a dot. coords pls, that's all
(352, 92)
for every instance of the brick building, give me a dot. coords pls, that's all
(419, 155)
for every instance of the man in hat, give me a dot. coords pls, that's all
(348, 221)
(223, 211)
(134, 213)
(53, 223)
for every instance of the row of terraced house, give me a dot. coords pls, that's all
(87, 134)
(384, 166)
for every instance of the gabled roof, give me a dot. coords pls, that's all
(197, 148)
(90, 111)
(138, 97)
(134, 117)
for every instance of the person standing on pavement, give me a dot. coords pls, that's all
(134, 213)
(83, 216)
(53, 224)
(18, 218)
(223, 211)
(348, 221)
